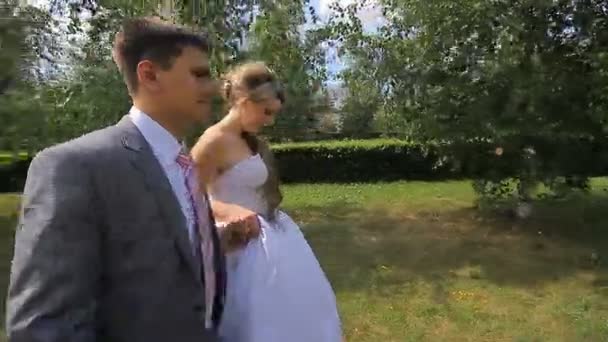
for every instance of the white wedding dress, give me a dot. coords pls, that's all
(276, 291)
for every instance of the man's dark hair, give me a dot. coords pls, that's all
(153, 39)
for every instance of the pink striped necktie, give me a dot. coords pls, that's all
(203, 228)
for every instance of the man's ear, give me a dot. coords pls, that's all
(147, 75)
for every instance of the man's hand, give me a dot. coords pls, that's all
(238, 233)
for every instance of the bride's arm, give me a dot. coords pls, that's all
(239, 222)
(207, 155)
(228, 212)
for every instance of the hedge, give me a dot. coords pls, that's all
(357, 161)
(13, 172)
(392, 159)
(324, 161)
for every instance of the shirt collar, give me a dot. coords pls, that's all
(163, 144)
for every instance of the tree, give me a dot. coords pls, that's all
(88, 92)
(25, 40)
(277, 39)
(521, 75)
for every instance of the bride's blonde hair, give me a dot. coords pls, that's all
(256, 82)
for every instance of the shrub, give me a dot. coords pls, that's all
(357, 161)
(560, 165)
(13, 172)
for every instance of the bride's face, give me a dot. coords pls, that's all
(255, 115)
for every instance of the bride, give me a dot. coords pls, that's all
(276, 290)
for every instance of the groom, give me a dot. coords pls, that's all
(116, 241)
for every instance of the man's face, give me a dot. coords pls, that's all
(187, 87)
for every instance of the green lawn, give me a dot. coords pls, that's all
(413, 261)
(7, 157)
(8, 211)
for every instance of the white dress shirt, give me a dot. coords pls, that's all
(166, 148)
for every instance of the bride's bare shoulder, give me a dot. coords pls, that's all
(214, 139)
(211, 136)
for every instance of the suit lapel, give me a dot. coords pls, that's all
(220, 264)
(204, 208)
(145, 162)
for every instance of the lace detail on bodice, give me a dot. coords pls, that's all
(241, 184)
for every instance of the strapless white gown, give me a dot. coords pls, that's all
(276, 289)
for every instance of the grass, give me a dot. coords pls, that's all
(367, 144)
(413, 261)
(8, 211)
(7, 158)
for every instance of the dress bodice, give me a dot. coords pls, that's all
(241, 184)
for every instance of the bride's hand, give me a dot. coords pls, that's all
(240, 224)
(237, 233)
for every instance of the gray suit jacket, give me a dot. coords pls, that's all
(102, 252)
